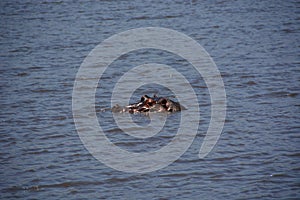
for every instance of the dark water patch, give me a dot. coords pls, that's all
(247, 76)
(35, 152)
(279, 94)
(155, 17)
(22, 74)
(292, 154)
(114, 130)
(58, 185)
(292, 94)
(286, 30)
(43, 90)
(251, 83)
(116, 180)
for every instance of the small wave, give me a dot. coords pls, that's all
(41, 90)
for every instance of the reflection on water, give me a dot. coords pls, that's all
(255, 46)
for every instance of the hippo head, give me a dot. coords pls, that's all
(155, 104)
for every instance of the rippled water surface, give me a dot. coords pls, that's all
(255, 45)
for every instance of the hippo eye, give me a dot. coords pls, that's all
(163, 101)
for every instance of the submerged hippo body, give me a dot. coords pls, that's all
(148, 104)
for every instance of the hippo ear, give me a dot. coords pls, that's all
(145, 97)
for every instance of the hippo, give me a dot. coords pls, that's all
(150, 104)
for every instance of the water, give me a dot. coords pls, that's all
(255, 45)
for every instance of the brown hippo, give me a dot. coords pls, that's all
(150, 104)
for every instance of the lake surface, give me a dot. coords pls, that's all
(255, 45)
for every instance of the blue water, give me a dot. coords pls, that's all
(255, 45)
